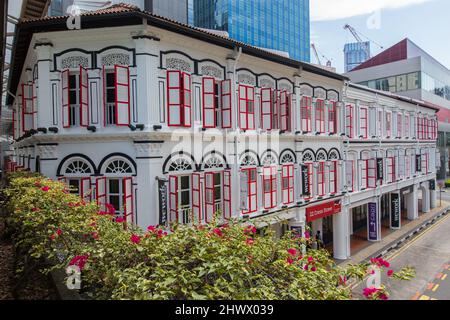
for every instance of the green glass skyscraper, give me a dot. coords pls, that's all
(274, 24)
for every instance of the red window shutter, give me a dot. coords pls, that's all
(320, 116)
(363, 123)
(349, 121)
(226, 103)
(84, 99)
(269, 187)
(251, 108)
(287, 182)
(332, 117)
(305, 114)
(128, 200)
(227, 194)
(122, 84)
(174, 98)
(85, 190)
(266, 108)
(196, 200)
(285, 104)
(371, 173)
(252, 187)
(187, 98)
(27, 107)
(321, 179)
(100, 192)
(209, 197)
(332, 177)
(209, 105)
(173, 198)
(65, 98)
(275, 109)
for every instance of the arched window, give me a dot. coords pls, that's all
(308, 156)
(248, 160)
(77, 167)
(213, 162)
(119, 167)
(268, 160)
(77, 173)
(287, 158)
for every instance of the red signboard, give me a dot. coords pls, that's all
(322, 210)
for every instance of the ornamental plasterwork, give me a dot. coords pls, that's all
(287, 158)
(246, 79)
(267, 83)
(308, 157)
(147, 149)
(320, 94)
(306, 90)
(74, 62)
(211, 71)
(248, 161)
(113, 59)
(321, 156)
(178, 64)
(47, 151)
(268, 160)
(213, 163)
(333, 156)
(285, 87)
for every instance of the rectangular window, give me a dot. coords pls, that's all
(196, 198)
(100, 193)
(364, 174)
(210, 196)
(209, 102)
(310, 181)
(349, 175)
(425, 162)
(363, 123)
(287, 182)
(380, 123)
(227, 194)
(180, 200)
(419, 128)
(269, 187)
(371, 173)
(127, 201)
(179, 97)
(388, 124)
(333, 177)
(246, 107)
(349, 121)
(408, 166)
(116, 96)
(390, 163)
(275, 109)
(321, 179)
(110, 98)
(399, 125)
(407, 126)
(332, 117)
(226, 103)
(28, 107)
(305, 114)
(320, 116)
(267, 108)
(285, 111)
(252, 190)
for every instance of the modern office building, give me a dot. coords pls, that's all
(172, 9)
(282, 25)
(170, 123)
(407, 69)
(355, 53)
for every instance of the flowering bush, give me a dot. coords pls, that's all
(120, 261)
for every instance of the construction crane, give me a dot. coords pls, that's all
(357, 36)
(316, 53)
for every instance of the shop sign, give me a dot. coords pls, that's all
(305, 181)
(162, 196)
(395, 211)
(373, 221)
(380, 169)
(323, 210)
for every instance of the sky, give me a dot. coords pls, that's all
(386, 22)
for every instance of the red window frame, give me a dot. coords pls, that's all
(226, 104)
(425, 161)
(87, 197)
(320, 116)
(310, 167)
(226, 189)
(287, 183)
(270, 181)
(100, 183)
(407, 126)
(84, 97)
(305, 114)
(285, 110)
(351, 188)
(196, 197)
(27, 103)
(363, 122)
(349, 121)
(391, 169)
(245, 101)
(321, 179)
(332, 117)
(251, 195)
(419, 128)
(333, 177)
(184, 105)
(267, 108)
(173, 198)
(65, 75)
(128, 212)
(209, 102)
(388, 124)
(371, 173)
(209, 196)
(120, 103)
(365, 174)
(399, 125)
(380, 123)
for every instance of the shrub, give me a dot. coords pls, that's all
(203, 262)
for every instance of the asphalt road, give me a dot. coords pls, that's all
(429, 254)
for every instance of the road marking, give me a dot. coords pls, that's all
(439, 276)
(401, 250)
(435, 288)
(443, 277)
(424, 297)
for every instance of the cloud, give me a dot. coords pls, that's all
(339, 9)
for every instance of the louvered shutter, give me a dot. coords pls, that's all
(209, 196)
(187, 97)
(84, 104)
(128, 200)
(196, 200)
(122, 83)
(226, 103)
(65, 98)
(226, 194)
(86, 192)
(100, 192)
(174, 97)
(266, 108)
(209, 108)
(173, 198)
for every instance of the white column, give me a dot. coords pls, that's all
(296, 112)
(234, 89)
(425, 197)
(433, 198)
(412, 205)
(147, 61)
(341, 235)
(44, 96)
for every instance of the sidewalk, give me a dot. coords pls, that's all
(391, 239)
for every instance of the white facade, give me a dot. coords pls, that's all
(115, 111)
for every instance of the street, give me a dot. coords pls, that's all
(429, 254)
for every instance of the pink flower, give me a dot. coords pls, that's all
(313, 269)
(383, 296)
(94, 235)
(250, 229)
(218, 232)
(79, 261)
(306, 267)
(367, 292)
(386, 264)
(249, 241)
(292, 252)
(307, 235)
(310, 259)
(52, 237)
(135, 238)
(59, 232)
(110, 209)
(151, 228)
(390, 273)
(120, 220)
(343, 280)
(35, 209)
(289, 260)
(45, 188)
